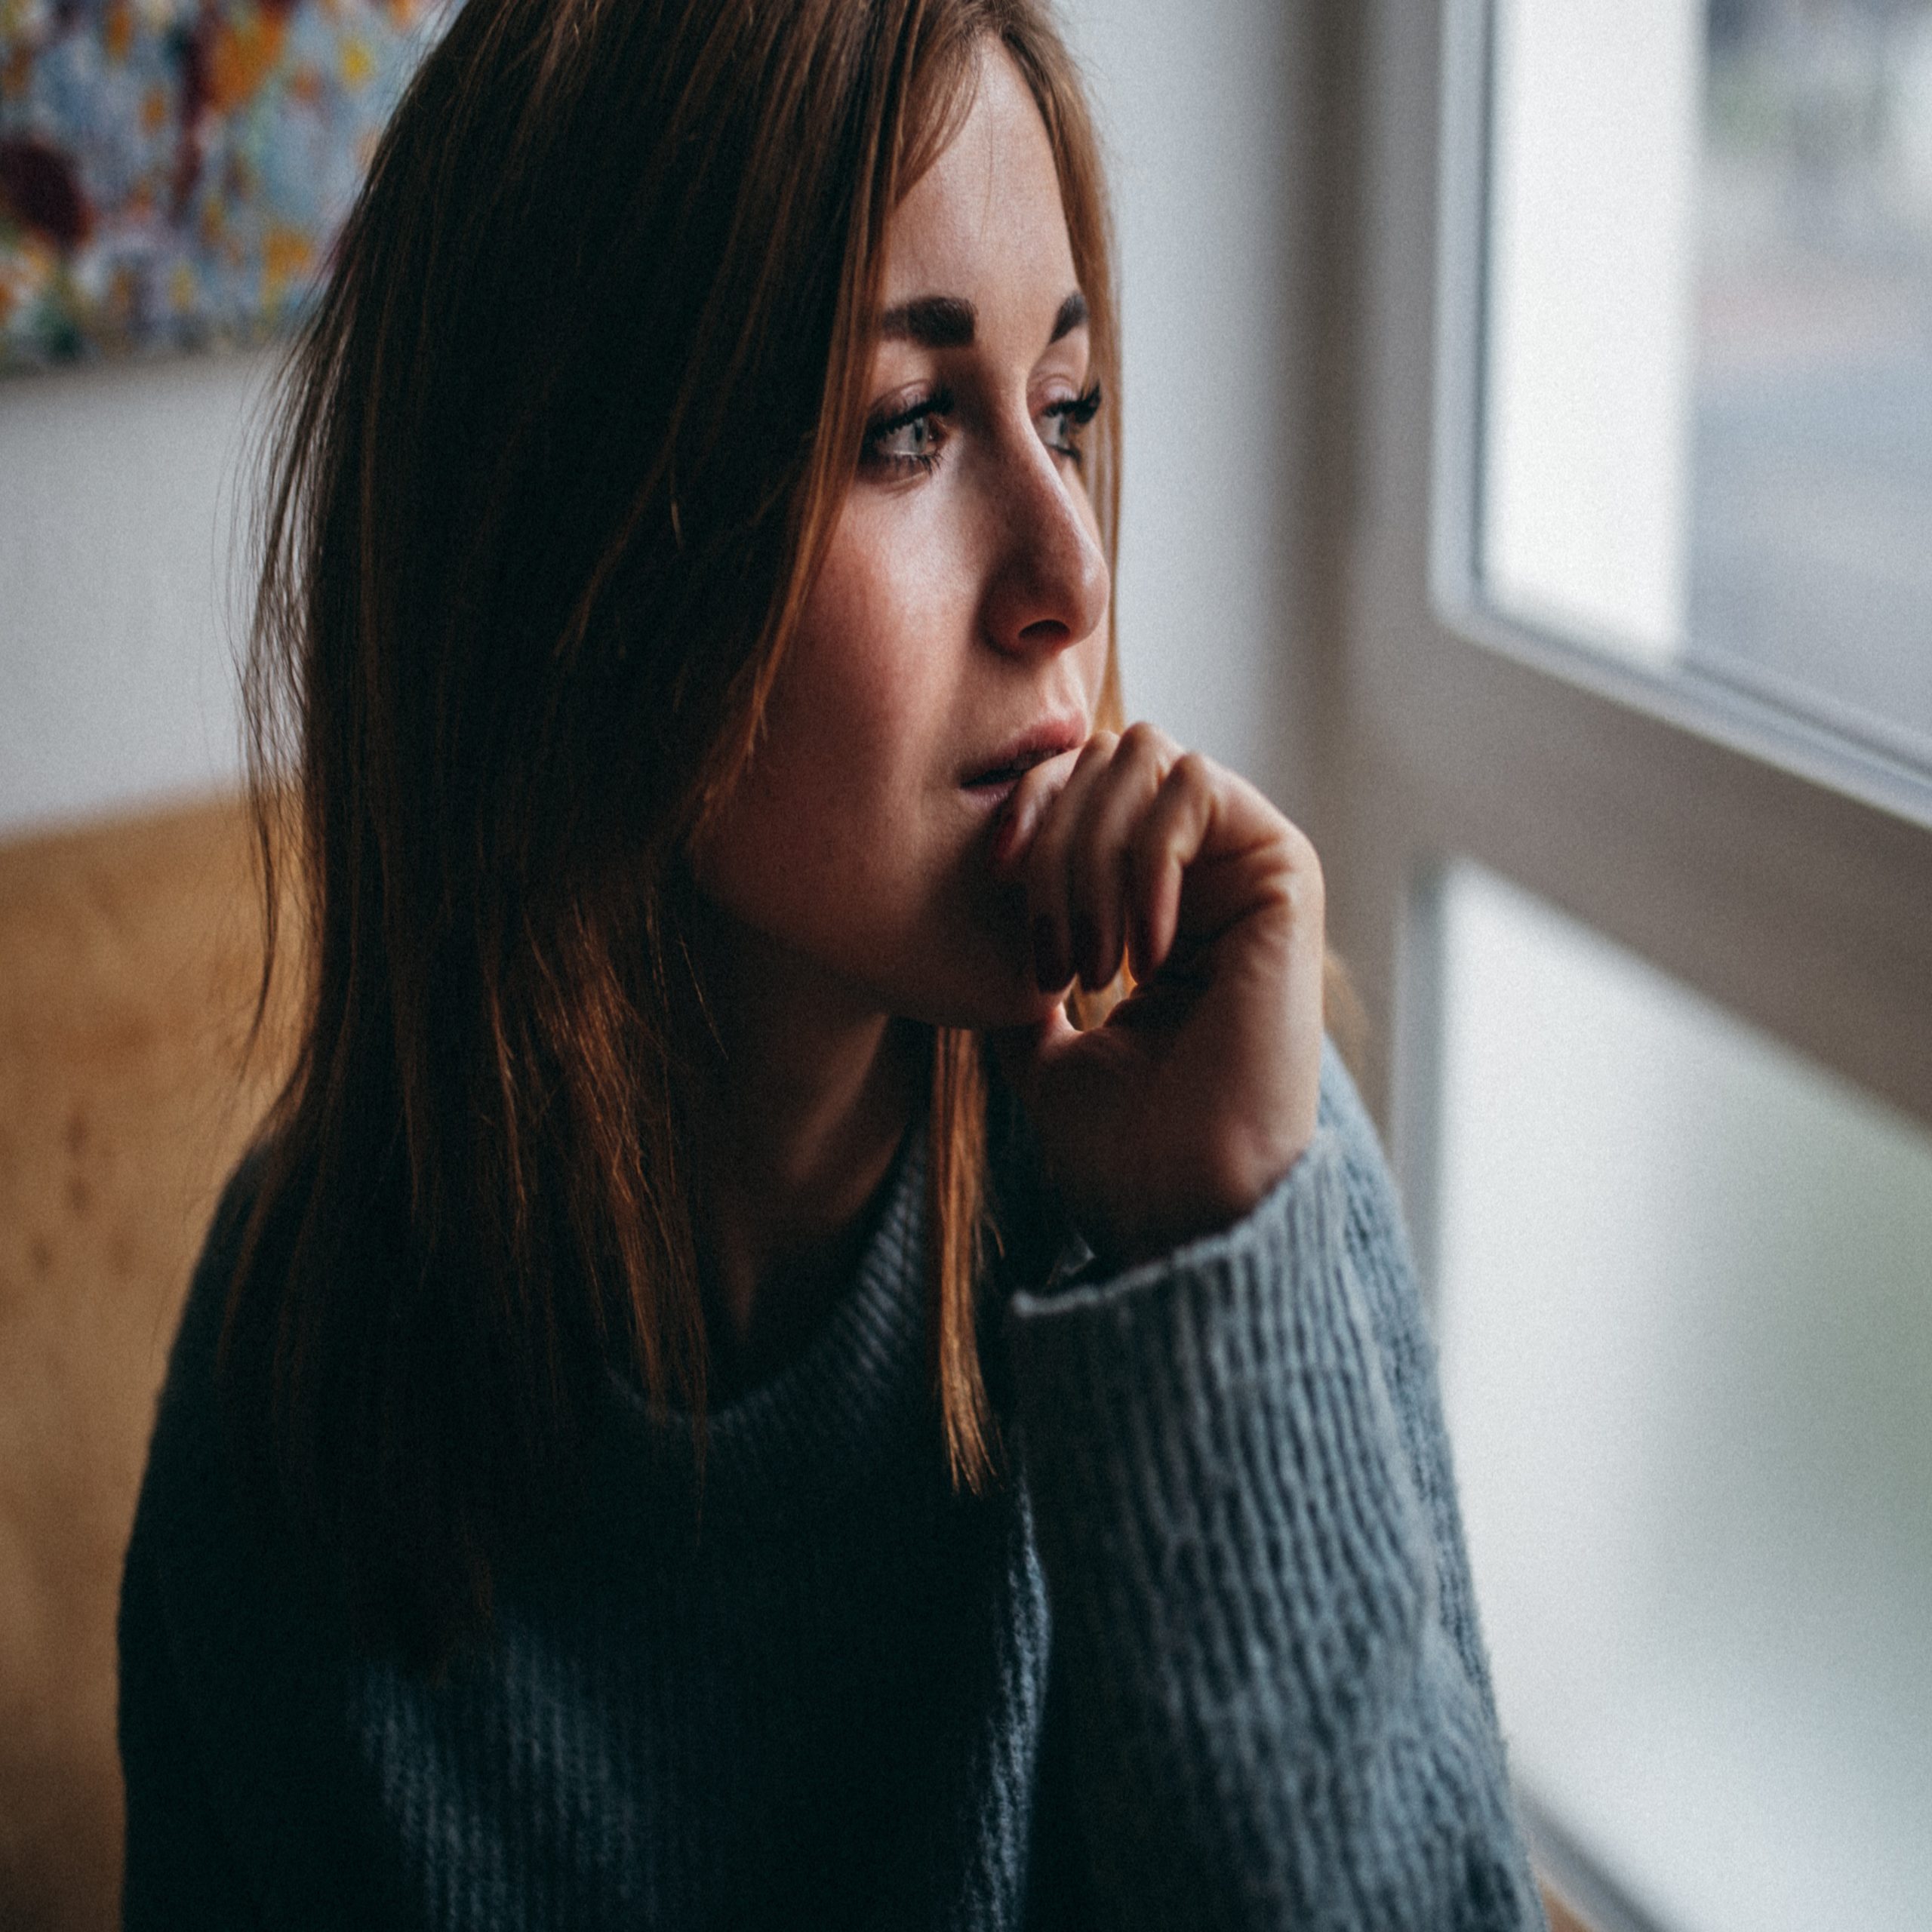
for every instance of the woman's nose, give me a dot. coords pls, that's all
(1049, 584)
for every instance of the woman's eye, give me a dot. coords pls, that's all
(1065, 422)
(912, 439)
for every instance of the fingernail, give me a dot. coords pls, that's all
(1048, 971)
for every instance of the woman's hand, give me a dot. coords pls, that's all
(1175, 1117)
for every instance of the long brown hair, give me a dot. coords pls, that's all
(556, 458)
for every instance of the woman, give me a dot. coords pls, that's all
(712, 1402)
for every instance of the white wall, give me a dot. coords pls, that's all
(1191, 101)
(116, 485)
(116, 686)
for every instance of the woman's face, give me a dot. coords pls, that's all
(957, 632)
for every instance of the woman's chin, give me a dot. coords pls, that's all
(993, 1002)
(975, 971)
(1027, 1007)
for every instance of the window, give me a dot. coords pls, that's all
(1617, 739)
(1706, 361)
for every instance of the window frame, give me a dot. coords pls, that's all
(1689, 696)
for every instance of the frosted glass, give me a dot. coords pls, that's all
(1685, 1306)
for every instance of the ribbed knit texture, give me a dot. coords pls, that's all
(1208, 1657)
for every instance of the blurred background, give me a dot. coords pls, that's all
(1529, 482)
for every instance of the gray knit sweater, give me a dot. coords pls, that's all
(1208, 1657)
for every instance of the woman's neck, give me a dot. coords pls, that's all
(809, 1097)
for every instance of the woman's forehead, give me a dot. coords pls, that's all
(985, 223)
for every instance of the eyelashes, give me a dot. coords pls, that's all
(909, 442)
(1073, 413)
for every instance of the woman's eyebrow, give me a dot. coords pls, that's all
(933, 321)
(948, 321)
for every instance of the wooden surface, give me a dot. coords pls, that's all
(127, 953)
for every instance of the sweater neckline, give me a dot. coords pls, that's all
(799, 1430)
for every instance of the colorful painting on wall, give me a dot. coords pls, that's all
(172, 171)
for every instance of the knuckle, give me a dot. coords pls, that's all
(1303, 860)
(1099, 748)
(1302, 889)
(1191, 772)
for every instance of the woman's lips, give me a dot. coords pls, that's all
(993, 780)
(991, 795)
(992, 789)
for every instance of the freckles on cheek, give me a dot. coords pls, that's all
(854, 772)
(863, 686)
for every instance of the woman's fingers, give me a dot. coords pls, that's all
(1044, 870)
(1100, 849)
(1102, 841)
(1019, 817)
(1167, 839)
(1177, 1115)
(1099, 891)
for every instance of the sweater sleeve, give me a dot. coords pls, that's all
(1277, 1709)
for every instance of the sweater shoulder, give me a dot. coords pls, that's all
(222, 1612)
(189, 1429)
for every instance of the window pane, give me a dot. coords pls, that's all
(1707, 424)
(1686, 1315)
